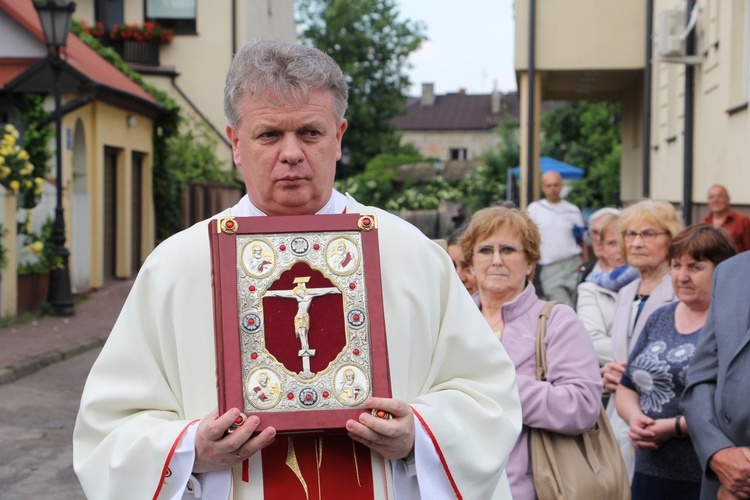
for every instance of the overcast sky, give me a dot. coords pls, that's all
(470, 45)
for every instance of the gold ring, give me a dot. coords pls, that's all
(237, 422)
(381, 414)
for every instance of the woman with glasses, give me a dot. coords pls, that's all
(648, 397)
(646, 230)
(501, 246)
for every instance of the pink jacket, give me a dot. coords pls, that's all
(570, 400)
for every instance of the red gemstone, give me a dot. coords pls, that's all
(366, 222)
(355, 317)
(325, 394)
(251, 288)
(352, 286)
(254, 355)
(282, 248)
(238, 420)
(251, 321)
(356, 352)
(230, 224)
(316, 246)
(308, 397)
(290, 396)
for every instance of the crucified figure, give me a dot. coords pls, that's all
(304, 297)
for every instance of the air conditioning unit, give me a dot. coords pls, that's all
(670, 37)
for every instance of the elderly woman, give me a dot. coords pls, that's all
(501, 246)
(596, 304)
(462, 267)
(648, 396)
(646, 230)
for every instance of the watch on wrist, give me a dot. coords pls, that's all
(409, 459)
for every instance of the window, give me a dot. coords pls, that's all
(109, 12)
(179, 15)
(458, 153)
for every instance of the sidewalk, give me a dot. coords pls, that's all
(28, 347)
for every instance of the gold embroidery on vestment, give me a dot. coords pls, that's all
(356, 465)
(291, 462)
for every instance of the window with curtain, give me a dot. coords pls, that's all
(179, 15)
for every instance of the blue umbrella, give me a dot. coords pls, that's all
(546, 164)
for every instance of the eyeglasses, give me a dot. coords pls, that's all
(488, 251)
(649, 235)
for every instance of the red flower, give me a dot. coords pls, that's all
(148, 32)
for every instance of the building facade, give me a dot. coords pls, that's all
(681, 70)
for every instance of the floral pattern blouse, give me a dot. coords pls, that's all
(656, 370)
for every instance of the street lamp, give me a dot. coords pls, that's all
(55, 17)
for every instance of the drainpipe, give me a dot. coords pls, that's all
(234, 27)
(687, 174)
(530, 195)
(647, 75)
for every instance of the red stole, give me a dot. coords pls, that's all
(331, 466)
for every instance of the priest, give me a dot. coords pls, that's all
(148, 426)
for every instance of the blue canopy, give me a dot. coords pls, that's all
(546, 164)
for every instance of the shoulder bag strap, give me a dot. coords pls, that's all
(541, 332)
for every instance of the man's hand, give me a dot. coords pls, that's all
(611, 375)
(215, 449)
(725, 494)
(732, 466)
(392, 438)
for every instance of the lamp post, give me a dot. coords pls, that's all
(55, 17)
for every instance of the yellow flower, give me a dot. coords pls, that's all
(14, 185)
(27, 169)
(11, 130)
(23, 155)
(36, 248)
(9, 140)
(27, 184)
(39, 185)
(2, 160)
(4, 172)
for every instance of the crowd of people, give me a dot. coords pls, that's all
(654, 325)
(644, 300)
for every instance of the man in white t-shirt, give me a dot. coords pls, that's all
(561, 226)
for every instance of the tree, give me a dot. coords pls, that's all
(371, 45)
(587, 134)
(488, 183)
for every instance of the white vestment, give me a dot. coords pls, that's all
(157, 372)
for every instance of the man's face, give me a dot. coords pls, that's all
(551, 185)
(718, 199)
(288, 153)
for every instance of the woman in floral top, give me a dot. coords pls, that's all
(648, 396)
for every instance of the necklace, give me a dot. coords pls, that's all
(494, 325)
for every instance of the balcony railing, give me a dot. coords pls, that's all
(136, 52)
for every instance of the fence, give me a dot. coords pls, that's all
(201, 200)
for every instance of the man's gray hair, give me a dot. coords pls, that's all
(278, 72)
